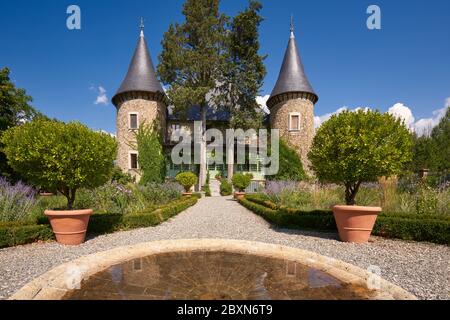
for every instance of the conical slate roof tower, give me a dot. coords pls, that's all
(292, 103)
(139, 100)
(292, 77)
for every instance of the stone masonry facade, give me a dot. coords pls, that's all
(148, 112)
(300, 140)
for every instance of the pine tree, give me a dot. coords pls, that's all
(191, 60)
(244, 71)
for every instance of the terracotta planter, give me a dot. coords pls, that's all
(69, 226)
(187, 194)
(239, 195)
(355, 224)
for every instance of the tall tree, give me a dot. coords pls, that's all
(441, 139)
(191, 60)
(15, 109)
(244, 71)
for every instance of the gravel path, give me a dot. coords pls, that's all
(421, 268)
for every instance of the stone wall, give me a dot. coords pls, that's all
(148, 111)
(300, 140)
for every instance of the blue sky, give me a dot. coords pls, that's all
(407, 61)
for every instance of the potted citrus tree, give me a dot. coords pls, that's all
(187, 181)
(356, 147)
(240, 183)
(63, 157)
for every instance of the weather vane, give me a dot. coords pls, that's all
(292, 26)
(142, 26)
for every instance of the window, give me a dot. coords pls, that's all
(133, 121)
(133, 161)
(294, 122)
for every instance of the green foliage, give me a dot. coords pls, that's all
(226, 188)
(241, 181)
(159, 194)
(187, 180)
(15, 234)
(59, 156)
(291, 167)
(433, 151)
(244, 71)
(433, 228)
(356, 147)
(207, 190)
(192, 53)
(106, 223)
(120, 177)
(152, 161)
(15, 109)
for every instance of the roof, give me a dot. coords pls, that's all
(141, 74)
(193, 114)
(292, 76)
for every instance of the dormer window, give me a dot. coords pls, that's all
(294, 122)
(134, 123)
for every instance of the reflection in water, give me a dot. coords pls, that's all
(201, 275)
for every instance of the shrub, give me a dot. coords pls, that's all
(157, 193)
(432, 228)
(152, 161)
(291, 167)
(207, 190)
(225, 188)
(109, 198)
(59, 156)
(187, 180)
(120, 177)
(241, 181)
(356, 147)
(16, 201)
(14, 234)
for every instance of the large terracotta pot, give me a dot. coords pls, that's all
(187, 194)
(69, 226)
(239, 195)
(355, 223)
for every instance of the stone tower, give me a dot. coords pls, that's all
(140, 99)
(292, 103)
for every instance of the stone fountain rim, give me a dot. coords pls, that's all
(53, 285)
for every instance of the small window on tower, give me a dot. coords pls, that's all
(294, 122)
(133, 161)
(133, 121)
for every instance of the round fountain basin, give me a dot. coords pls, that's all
(209, 270)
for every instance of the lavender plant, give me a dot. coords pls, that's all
(16, 201)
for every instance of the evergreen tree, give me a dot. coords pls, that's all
(441, 140)
(244, 71)
(191, 60)
(152, 161)
(15, 109)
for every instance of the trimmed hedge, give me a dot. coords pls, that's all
(16, 233)
(107, 223)
(401, 226)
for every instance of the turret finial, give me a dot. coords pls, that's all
(142, 26)
(292, 27)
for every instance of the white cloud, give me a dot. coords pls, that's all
(101, 95)
(425, 126)
(421, 126)
(401, 111)
(262, 101)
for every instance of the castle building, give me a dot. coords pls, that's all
(141, 100)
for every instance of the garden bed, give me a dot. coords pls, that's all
(431, 228)
(19, 233)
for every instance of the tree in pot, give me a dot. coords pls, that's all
(240, 183)
(356, 147)
(187, 180)
(63, 157)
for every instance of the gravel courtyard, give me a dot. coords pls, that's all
(421, 268)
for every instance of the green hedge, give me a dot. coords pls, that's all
(401, 226)
(107, 223)
(15, 233)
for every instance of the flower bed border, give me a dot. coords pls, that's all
(16, 233)
(428, 228)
